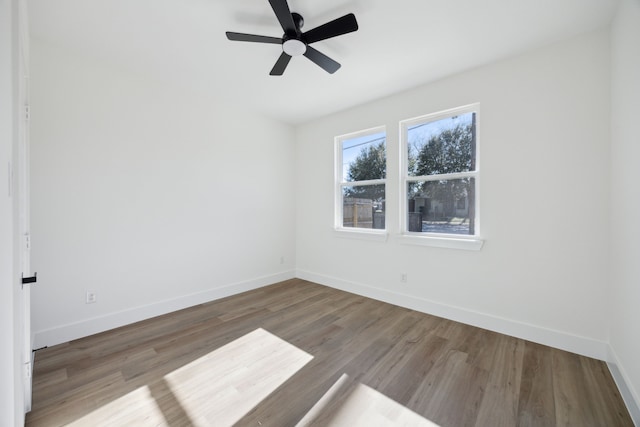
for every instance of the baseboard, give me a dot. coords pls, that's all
(630, 396)
(557, 339)
(72, 331)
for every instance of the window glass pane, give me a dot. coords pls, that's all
(364, 158)
(446, 206)
(442, 146)
(363, 206)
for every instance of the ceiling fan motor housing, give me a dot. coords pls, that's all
(298, 20)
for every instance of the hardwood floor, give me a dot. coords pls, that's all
(298, 353)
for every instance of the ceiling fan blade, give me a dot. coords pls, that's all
(281, 65)
(337, 27)
(281, 9)
(322, 60)
(241, 37)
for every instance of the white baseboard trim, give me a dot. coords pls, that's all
(72, 331)
(557, 339)
(630, 396)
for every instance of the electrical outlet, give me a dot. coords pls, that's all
(281, 260)
(403, 277)
(91, 297)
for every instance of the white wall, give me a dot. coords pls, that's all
(544, 201)
(153, 198)
(625, 204)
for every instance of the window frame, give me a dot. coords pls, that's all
(341, 183)
(443, 240)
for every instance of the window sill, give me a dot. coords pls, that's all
(442, 242)
(361, 234)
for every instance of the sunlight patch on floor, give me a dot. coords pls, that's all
(217, 389)
(221, 387)
(137, 408)
(349, 404)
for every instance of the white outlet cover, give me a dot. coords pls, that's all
(91, 297)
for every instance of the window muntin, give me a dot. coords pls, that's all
(361, 166)
(440, 174)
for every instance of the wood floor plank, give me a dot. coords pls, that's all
(569, 384)
(72, 404)
(451, 376)
(368, 362)
(407, 365)
(537, 394)
(499, 405)
(602, 394)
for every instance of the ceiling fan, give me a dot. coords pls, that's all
(294, 42)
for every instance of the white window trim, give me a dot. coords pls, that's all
(362, 234)
(353, 232)
(440, 240)
(448, 241)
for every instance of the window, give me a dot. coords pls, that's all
(440, 174)
(361, 172)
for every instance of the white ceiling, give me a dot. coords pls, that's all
(400, 44)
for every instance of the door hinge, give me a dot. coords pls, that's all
(27, 241)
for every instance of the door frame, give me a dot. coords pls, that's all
(24, 211)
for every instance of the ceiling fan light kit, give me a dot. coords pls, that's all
(294, 47)
(295, 43)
